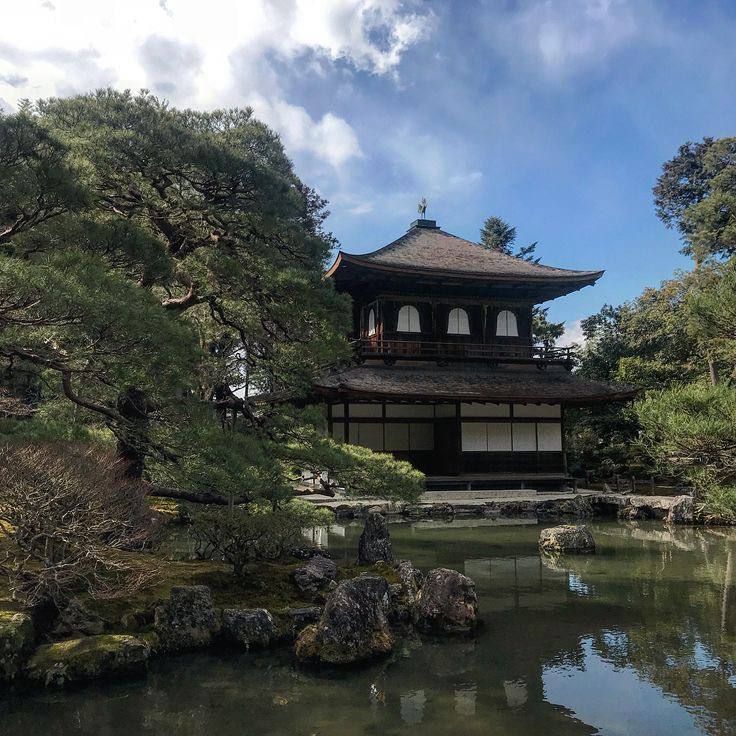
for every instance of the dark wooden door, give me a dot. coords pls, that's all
(447, 446)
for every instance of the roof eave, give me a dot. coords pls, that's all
(624, 394)
(583, 277)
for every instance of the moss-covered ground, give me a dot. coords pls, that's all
(267, 585)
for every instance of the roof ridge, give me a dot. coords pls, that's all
(413, 232)
(500, 254)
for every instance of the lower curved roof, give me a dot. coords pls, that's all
(468, 383)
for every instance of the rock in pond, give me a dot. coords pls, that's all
(77, 620)
(353, 627)
(374, 544)
(306, 552)
(446, 603)
(574, 538)
(404, 593)
(316, 574)
(188, 620)
(295, 619)
(578, 506)
(89, 658)
(249, 627)
(16, 640)
(681, 511)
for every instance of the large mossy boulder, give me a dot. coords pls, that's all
(374, 544)
(317, 574)
(89, 658)
(354, 625)
(188, 620)
(16, 640)
(249, 627)
(446, 603)
(567, 539)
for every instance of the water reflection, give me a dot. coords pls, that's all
(638, 639)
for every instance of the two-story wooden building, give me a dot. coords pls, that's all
(447, 375)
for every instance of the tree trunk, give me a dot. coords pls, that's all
(713, 370)
(196, 496)
(133, 406)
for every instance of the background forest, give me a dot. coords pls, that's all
(677, 343)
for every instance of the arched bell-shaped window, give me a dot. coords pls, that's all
(371, 322)
(506, 324)
(408, 319)
(457, 322)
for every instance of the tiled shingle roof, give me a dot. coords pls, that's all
(430, 249)
(469, 382)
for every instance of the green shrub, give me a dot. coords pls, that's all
(241, 535)
(691, 432)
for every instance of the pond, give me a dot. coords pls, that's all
(638, 639)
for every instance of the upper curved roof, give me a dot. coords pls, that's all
(428, 249)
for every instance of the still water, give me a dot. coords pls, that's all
(638, 639)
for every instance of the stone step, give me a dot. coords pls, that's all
(451, 496)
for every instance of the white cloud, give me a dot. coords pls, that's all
(573, 334)
(171, 66)
(562, 37)
(329, 138)
(219, 54)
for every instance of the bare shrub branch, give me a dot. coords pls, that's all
(73, 524)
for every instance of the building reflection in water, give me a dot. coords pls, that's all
(412, 706)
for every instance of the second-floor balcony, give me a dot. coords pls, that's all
(393, 349)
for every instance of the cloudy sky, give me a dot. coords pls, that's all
(553, 114)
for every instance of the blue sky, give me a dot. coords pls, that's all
(555, 115)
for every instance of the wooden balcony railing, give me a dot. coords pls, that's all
(396, 349)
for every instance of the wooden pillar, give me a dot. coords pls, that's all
(562, 434)
(458, 441)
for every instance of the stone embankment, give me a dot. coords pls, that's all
(356, 619)
(671, 509)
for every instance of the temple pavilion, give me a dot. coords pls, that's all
(446, 373)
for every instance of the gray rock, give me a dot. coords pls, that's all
(404, 593)
(88, 658)
(578, 506)
(634, 513)
(188, 620)
(681, 511)
(374, 544)
(306, 552)
(297, 618)
(16, 640)
(353, 627)
(316, 574)
(411, 578)
(77, 620)
(249, 627)
(447, 603)
(567, 538)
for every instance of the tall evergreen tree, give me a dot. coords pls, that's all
(152, 260)
(497, 234)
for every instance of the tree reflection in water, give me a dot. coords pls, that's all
(639, 638)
